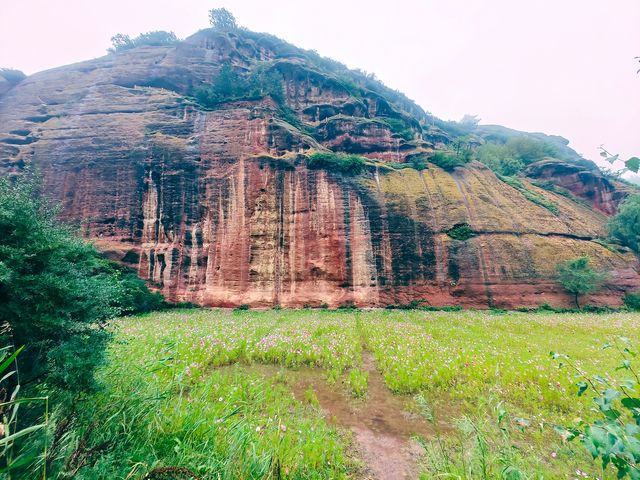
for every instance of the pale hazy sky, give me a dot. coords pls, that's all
(562, 67)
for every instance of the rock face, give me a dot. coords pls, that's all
(219, 207)
(586, 183)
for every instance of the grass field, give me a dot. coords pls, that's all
(263, 394)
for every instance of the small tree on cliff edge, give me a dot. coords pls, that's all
(222, 20)
(578, 278)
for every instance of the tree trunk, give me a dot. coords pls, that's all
(577, 298)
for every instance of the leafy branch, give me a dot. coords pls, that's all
(632, 164)
(615, 436)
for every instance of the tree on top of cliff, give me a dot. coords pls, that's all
(222, 20)
(579, 278)
(156, 38)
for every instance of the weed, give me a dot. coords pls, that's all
(358, 383)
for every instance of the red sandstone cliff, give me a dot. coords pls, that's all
(218, 207)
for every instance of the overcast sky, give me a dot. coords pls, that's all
(562, 67)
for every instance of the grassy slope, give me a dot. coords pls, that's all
(169, 404)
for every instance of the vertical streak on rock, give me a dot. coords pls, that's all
(364, 280)
(385, 255)
(192, 278)
(439, 247)
(517, 226)
(279, 235)
(473, 221)
(241, 204)
(326, 220)
(151, 212)
(348, 258)
(297, 220)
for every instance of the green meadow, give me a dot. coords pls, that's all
(220, 394)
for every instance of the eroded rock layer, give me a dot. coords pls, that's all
(219, 207)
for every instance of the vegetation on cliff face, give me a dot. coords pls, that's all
(347, 164)
(449, 160)
(530, 195)
(513, 156)
(462, 231)
(230, 85)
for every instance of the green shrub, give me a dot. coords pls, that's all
(337, 162)
(135, 297)
(499, 159)
(229, 85)
(513, 156)
(461, 231)
(56, 290)
(242, 306)
(449, 161)
(614, 437)
(579, 278)
(399, 127)
(632, 300)
(156, 38)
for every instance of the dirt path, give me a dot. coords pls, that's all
(382, 427)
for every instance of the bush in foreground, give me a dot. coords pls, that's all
(56, 290)
(632, 301)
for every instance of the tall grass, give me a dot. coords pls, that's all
(181, 395)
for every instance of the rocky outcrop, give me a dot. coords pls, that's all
(586, 183)
(219, 207)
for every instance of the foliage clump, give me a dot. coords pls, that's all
(337, 162)
(512, 157)
(624, 227)
(632, 300)
(358, 382)
(614, 438)
(530, 195)
(461, 231)
(578, 277)
(229, 85)
(222, 20)
(450, 160)
(56, 290)
(398, 127)
(157, 38)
